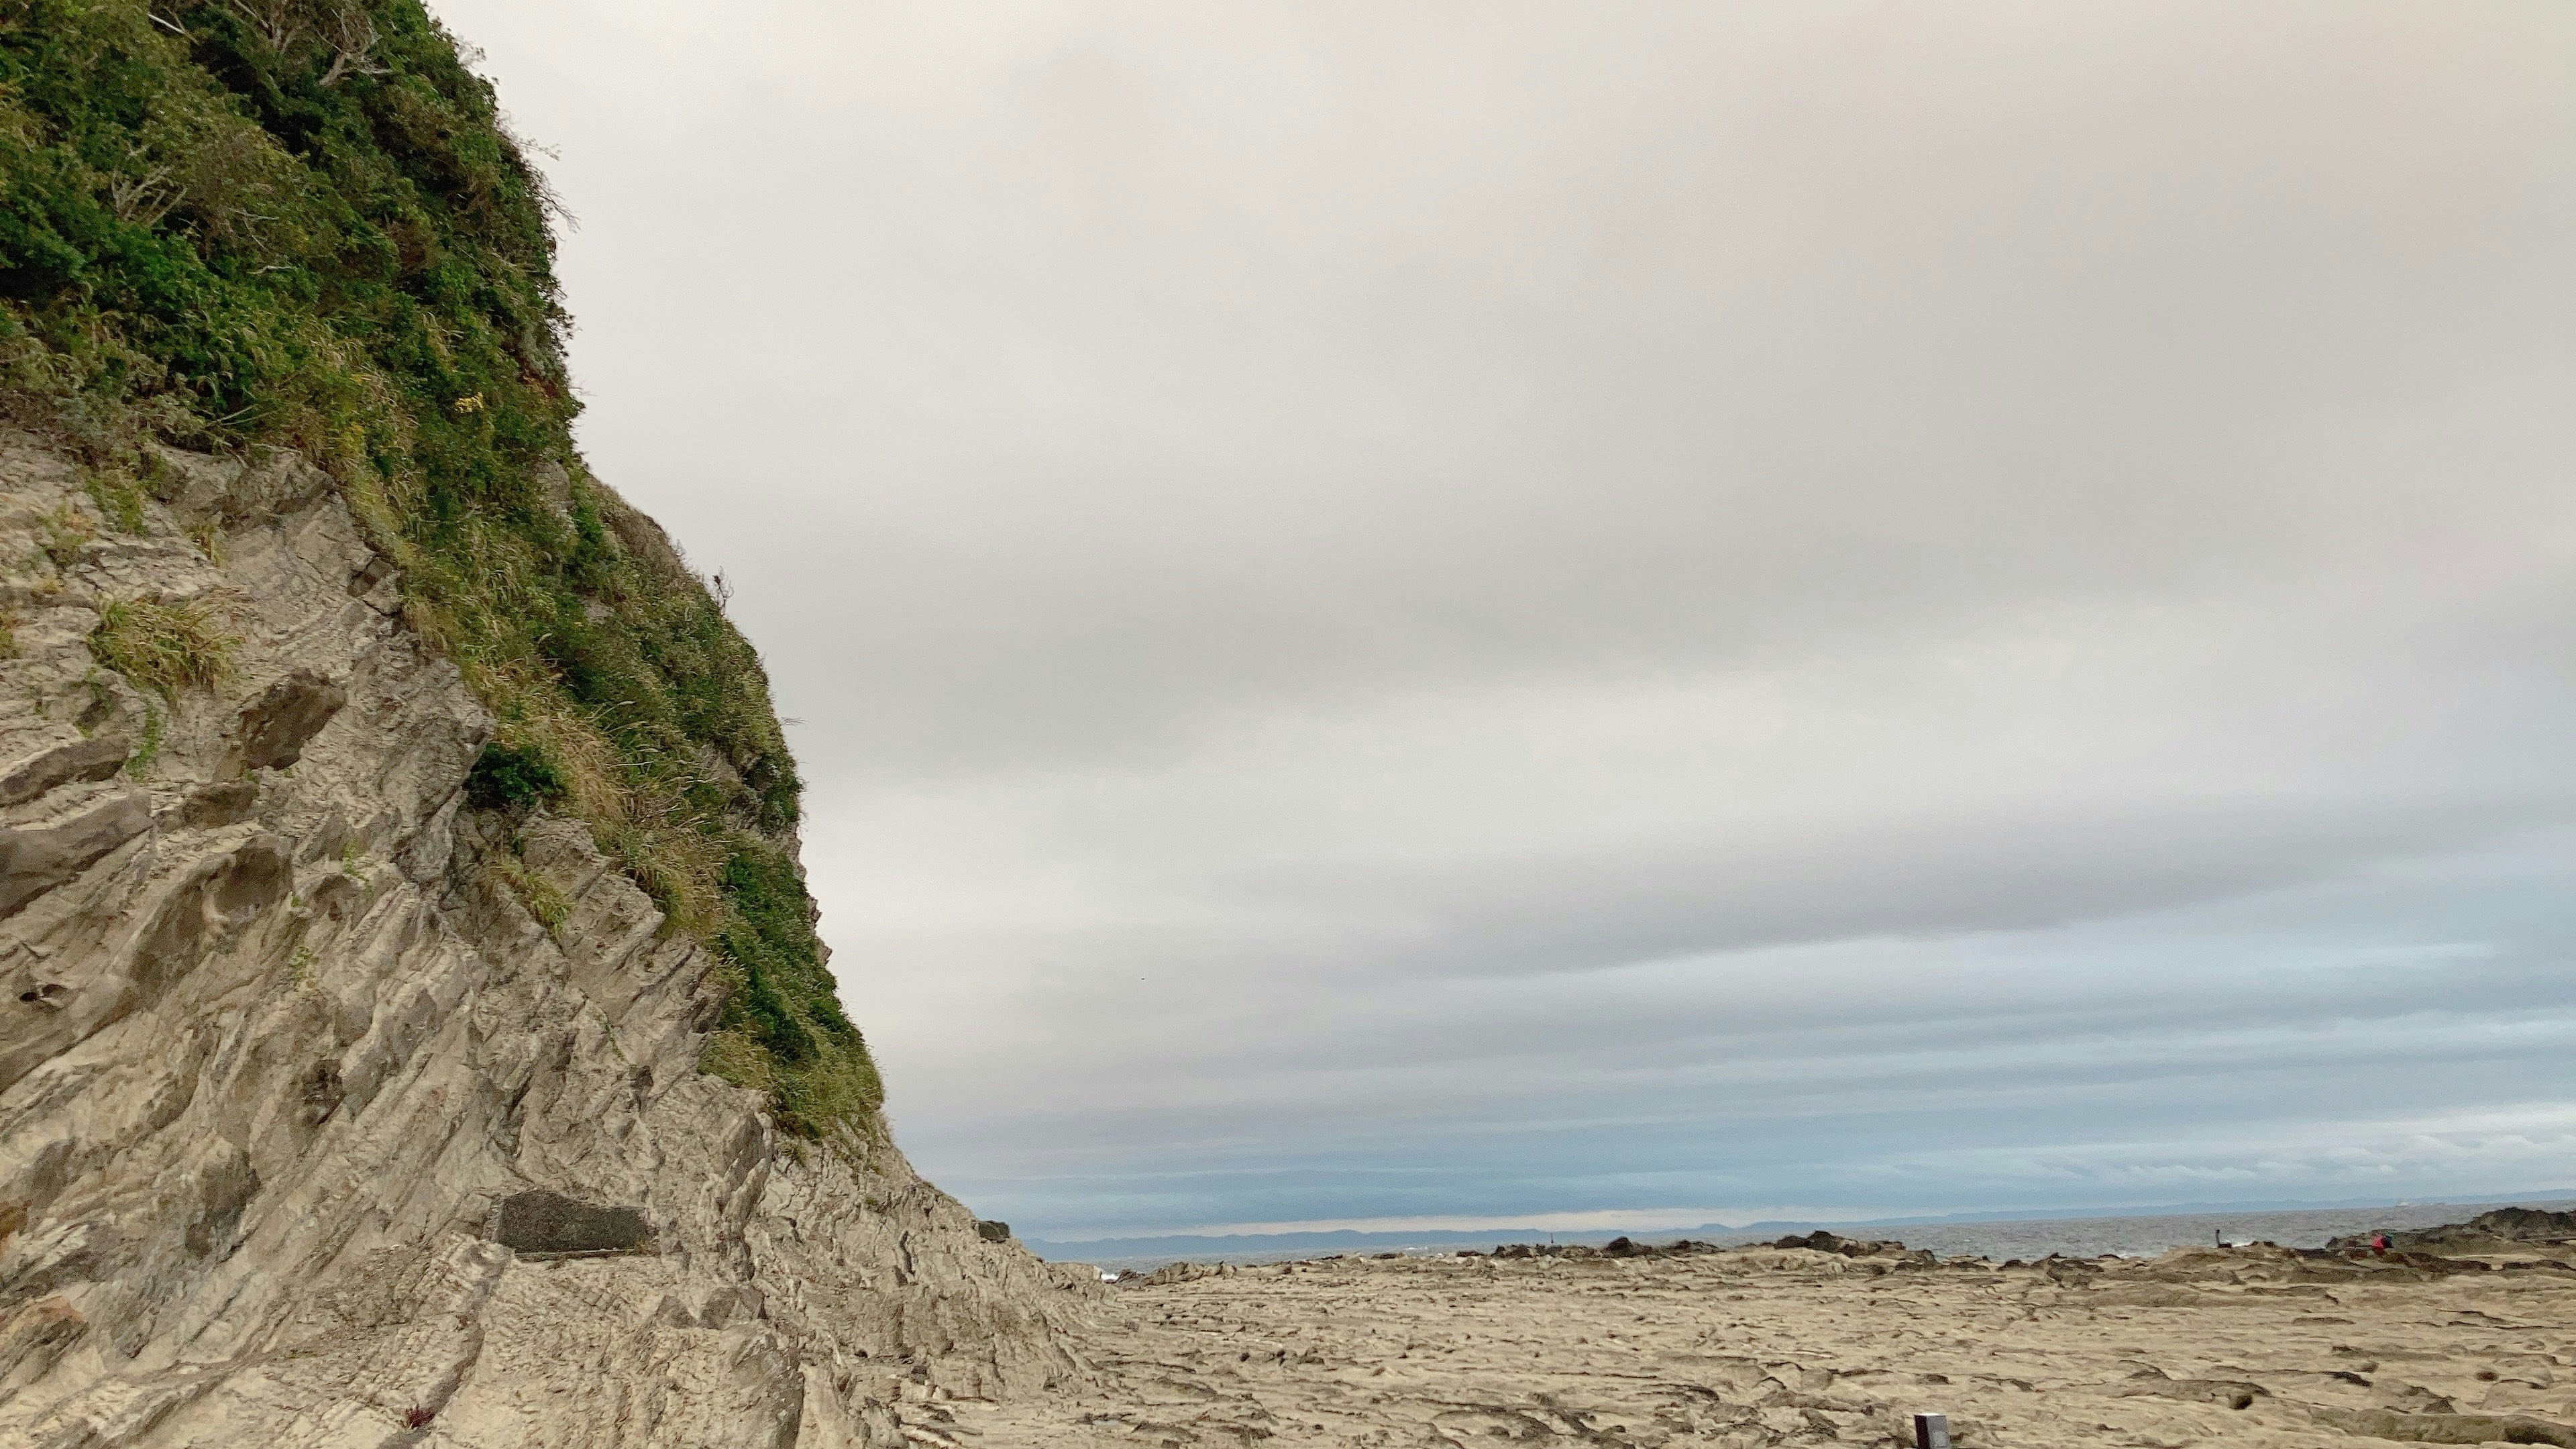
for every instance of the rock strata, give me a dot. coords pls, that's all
(312, 1133)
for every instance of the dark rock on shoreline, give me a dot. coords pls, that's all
(2504, 1226)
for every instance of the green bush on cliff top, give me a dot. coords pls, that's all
(302, 223)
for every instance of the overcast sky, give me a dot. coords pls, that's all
(1490, 612)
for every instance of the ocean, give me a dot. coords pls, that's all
(2136, 1236)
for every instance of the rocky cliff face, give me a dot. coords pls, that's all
(313, 1132)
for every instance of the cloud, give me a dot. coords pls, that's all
(1495, 609)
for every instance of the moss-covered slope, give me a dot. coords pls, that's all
(301, 223)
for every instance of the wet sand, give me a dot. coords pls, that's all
(1774, 1346)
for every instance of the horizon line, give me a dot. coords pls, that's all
(1678, 1219)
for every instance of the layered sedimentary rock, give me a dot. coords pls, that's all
(312, 1133)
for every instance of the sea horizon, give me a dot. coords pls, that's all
(2126, 1231)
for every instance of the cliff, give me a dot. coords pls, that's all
(412, 1027)
(284, 1047)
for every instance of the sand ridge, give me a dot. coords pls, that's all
(1770, 1346)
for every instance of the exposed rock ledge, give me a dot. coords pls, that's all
(283, 1070)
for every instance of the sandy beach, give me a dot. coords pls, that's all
(1762, 1346)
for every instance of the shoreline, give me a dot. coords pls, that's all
(2141, 1235)
(1764, 1346)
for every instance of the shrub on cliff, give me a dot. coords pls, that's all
(301, 223)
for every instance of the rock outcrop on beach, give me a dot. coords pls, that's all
(2503, 1228)
(336, 1110)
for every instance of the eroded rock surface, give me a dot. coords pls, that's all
(279, 1049)
(1774, 1347)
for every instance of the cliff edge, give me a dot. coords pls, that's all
(413, 1028)
(313, 1131)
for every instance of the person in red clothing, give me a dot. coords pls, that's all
(2379, 1244)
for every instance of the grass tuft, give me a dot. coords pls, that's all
(782, 1003)
(156, 729)
(119, 500)
(510, 778)
(65, 531)
(165, 648)
(544, 899)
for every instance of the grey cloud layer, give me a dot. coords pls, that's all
(1504, 608)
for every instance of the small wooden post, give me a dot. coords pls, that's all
(1931, 1431)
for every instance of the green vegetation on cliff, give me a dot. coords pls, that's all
(235, 224)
